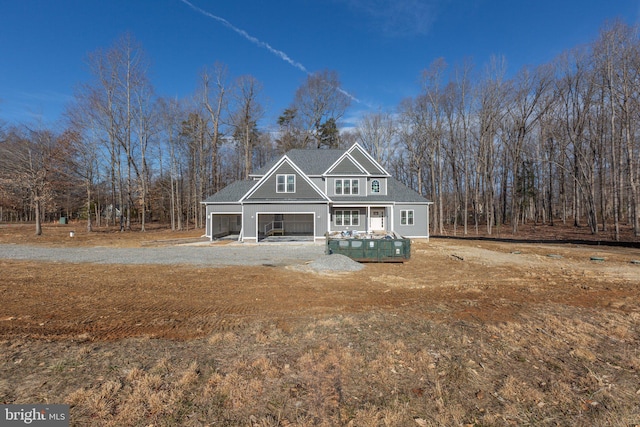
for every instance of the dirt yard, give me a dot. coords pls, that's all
(468, 332)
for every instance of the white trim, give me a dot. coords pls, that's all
(286, 202)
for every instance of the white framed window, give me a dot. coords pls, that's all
(375, 186)
(347, 186)
(406, 217)
(285, 183)
(347, 218)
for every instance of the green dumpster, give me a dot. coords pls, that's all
(371, 250)
(63, 220)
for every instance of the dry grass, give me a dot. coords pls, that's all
(361, 370)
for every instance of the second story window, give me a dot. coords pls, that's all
(347, 186)
(285, 183)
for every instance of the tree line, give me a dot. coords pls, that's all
(557, 142)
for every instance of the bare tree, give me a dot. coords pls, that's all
(214, 100)
(524, 109)
(456, 104)
(171, 115)
(377, 134)
(248, 111)
(489, 112)
(28, 160)
(119, 102)
(83, 149)
(318, 101)
(618, 57)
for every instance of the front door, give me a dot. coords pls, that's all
(376, 220)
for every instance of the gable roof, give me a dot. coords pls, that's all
(311, 162)
(323, 161)
(311, 188)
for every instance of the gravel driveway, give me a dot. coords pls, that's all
(206, 255)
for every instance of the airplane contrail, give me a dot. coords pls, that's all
(280, 54)
(249, 37)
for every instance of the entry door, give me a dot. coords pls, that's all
(376, 220)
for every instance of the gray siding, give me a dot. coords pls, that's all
(420, 227)
(226, 208)
(267, 190)
(346, 167)
(319, 182)
(364, 161)
(251, 212)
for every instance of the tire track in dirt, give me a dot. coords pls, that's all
(491, 284)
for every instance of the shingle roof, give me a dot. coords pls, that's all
(232, 193)
(316, 162)
(311, 162)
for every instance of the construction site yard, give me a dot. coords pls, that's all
(465, 333)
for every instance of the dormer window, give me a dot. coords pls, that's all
(375, 186)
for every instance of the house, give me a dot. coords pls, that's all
(312, 192)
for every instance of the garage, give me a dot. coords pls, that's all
(285, 224)
(225, 224)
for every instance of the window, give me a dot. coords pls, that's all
(375, 186)
(406, 217)
(346, 218)
(285, 183)
(347, 186)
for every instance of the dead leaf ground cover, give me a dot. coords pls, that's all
(467, 332)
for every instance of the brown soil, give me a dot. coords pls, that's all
(506, 322)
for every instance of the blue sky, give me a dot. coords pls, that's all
(378, 47)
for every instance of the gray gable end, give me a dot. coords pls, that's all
(266, 189)
(346, 166)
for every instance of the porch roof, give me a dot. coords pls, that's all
(232, 193)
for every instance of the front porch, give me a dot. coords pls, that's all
(362, 219)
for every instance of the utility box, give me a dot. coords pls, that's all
(63, 220)
(371, 250)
